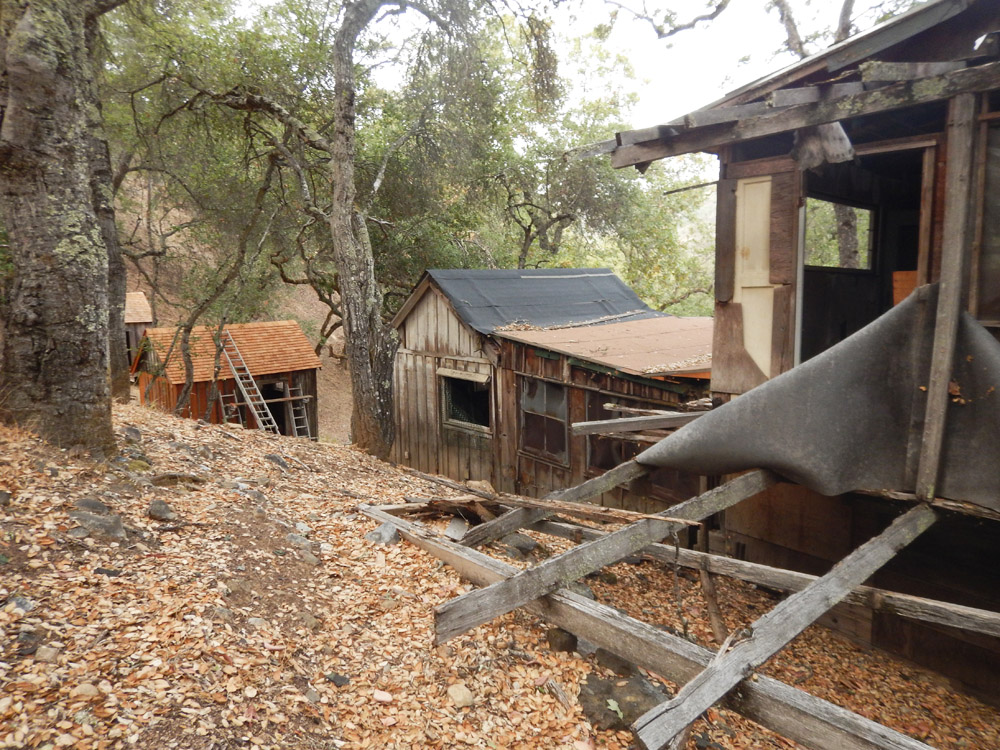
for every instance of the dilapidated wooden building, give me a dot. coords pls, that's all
(266, 375)
(897, 128)
(494, 367)
(138, 317)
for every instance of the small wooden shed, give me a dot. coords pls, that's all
(138, 316)
(898, 129)
(494, 367)
(277, 354)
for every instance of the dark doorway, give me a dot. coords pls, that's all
(278, 409)
(862, 233)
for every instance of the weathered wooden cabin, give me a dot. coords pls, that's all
(278, 356)
(898, 127)
(495, 365)
(138, 317)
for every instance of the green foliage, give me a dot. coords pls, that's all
(822, 242)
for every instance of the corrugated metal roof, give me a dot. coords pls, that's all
(651, 347)
(488, 299)
(267, 348)
(137, 309)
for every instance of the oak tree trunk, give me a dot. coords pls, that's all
(55, 204)
(370, 344)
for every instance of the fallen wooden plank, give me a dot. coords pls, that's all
(634, 424)
(790, 712)
(894, 96)
(879, 600)
(773, 631)
(515, 519)
(458, 615)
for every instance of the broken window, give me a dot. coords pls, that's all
(838, 235)
(543, 418)
(466, 403)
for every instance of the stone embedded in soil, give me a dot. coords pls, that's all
(85, 690)
(4, 499)
(310, 620)
(159, 510)
(277, 460)
(47, 654)
(561, 640)
(257, 622)
(92, 505)
(106, 526)
(310, 559)
(297, 540)
(312, 696)
(384, 534)
(461, 696)
(616, 703)
(338, 679)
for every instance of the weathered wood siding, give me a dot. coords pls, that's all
(537, 475)
(433, 337)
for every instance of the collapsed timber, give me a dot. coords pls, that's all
(726, 677)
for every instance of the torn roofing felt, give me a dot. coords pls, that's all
(852, 417)
(487, 299)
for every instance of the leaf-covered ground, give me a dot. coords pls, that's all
(254, 613)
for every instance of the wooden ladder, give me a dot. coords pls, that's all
(247, 385)
(300, 413)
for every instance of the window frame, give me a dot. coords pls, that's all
(445, 376)
(560, 459)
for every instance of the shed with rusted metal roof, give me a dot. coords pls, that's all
(495, 366)
(277, 357)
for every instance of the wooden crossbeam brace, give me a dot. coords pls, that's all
(790, 712)
(482, 605)
(773, 631)
(973, 619)
(635, 424)
(521, 517)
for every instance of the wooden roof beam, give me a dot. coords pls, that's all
(895, 96)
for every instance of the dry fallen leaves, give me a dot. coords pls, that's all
(223, 632)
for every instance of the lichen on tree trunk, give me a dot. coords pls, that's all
(55, 363)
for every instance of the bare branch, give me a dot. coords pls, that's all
(667, 27)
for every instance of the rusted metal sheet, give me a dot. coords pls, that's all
(647, 348)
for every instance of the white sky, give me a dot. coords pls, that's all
(696, 67)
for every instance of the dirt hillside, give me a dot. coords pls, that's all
(213, 588)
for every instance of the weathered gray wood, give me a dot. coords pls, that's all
(809, 94)
(515, 519)
(876, 70)
(774, 630)
(622, 473)
(464, 612)
(703, 117)
(880, 600)
(790, 712)
(954, 251)
(591, 150)
(894, 96)
(501, 526)
(634, 424)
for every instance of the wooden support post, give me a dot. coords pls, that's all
(958, 182)
(622, 473)
(464, 612)
(790, 712)
(773, 631)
